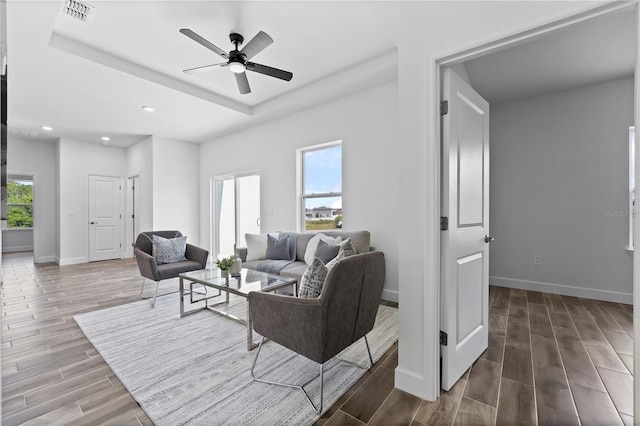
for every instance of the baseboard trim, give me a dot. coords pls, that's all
(390, 295)
(45, 259)
(564, 290)
(16, 249)
(72, 261)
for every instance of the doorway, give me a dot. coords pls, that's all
(133, 216)
(477, 52)
(236, 211)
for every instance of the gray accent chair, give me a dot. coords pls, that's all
(321, 328)
(149, 269)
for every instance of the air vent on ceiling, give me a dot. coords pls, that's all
(77, 10)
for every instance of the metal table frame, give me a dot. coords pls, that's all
(222, 285)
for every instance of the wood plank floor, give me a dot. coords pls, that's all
(551, 359)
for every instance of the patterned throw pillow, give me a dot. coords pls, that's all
(313, 279)
(169, 250)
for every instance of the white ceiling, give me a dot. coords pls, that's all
(593, 51)
(89, 79)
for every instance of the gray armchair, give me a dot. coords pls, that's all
(149, 269)
(321, 328)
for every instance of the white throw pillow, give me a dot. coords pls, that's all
(257, 245)
(312, 246)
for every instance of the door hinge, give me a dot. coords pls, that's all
(444, 223)
(120, 245)
(444, 107)
(443, 338)
(120, 216)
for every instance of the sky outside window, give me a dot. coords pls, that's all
(322, 175)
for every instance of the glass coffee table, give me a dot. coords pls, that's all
(248, 281)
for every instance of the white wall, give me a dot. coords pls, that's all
(176, 197)
(78, 160)
(37, 158)
(559, 174)
(424, 32)
(140, 163)
(16, 240)
(365, 122)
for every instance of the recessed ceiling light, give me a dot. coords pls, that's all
(148, 108)
(47, 128)
(106, 138)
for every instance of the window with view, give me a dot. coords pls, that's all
(19, 202)
(320, 171)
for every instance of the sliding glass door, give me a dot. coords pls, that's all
(236, 211)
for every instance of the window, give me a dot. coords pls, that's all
(19, 202)
(320, 186)
(632, 183)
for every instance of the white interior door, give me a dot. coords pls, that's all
(104, 218)
(465, 248)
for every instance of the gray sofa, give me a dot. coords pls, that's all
(360, 239)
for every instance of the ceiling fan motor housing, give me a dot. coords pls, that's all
(236, 38)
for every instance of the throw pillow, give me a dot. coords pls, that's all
(326, 252)
(310, 252)
(257, 246)
(277, 249)
(348, 248)
(168, 250)
(312, 279)
(335, 260)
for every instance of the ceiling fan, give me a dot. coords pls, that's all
(238, 60)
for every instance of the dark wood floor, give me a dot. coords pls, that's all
(551, 359)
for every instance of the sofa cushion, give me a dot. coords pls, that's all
(170, 250)
(171, 270)
(326, 252)
(294, 270)
(313, 279)
(278, 248)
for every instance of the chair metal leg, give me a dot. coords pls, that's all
(142, 289)
(366, 342)
(153, 304)
(301, 387)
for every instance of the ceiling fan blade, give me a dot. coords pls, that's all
(256, 45)
(204, 68)
(243, 83)
(198, 39)
(272, 72)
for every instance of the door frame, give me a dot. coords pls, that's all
(132, 203)
(562, 17)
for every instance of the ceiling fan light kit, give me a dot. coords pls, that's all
(238, 60)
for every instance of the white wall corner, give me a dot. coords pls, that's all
(412, 382)
(390, 295)
(45, 259)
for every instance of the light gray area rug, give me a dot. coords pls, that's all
(195, 370)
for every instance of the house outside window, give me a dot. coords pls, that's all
(19, 202)
(320, 186)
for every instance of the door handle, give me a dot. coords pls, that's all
(258, 221)
(93, 223)
(488, 239)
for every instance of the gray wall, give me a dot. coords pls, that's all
(559, 163)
